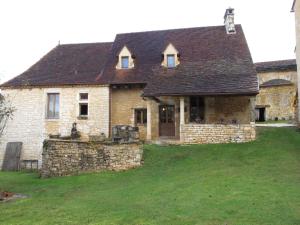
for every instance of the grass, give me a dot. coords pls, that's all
(233, 184)
(274, 121)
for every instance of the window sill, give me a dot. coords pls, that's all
(52, 119)
(82, 117)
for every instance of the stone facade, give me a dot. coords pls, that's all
(108, 107)
(285, 75)
(61, 158)
(238, 109)
(228, 109)
(30, 125)
(279, 101)
(124, 101)
(217, 133)
(297, 26)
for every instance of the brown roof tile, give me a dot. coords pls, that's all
(211, 62)
(69, 64)
(279, 65)
(276, 82)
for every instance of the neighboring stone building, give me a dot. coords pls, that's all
(277, 98)
(296, 9)
(193, 85)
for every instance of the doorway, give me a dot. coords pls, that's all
(167, 120)
(261, 114)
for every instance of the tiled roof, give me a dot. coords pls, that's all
(211, 62)
(276, 82)
(69, 64)
(280, 65)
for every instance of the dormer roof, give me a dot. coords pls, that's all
(211, 61)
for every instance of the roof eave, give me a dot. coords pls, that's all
(203, 94)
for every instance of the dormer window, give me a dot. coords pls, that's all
(125, 59)
(125, 62)
(171, 61)
(170, 57)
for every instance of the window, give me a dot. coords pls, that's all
(171, 61)
(140, 116)
(83, 109)
(83, 96)
(83, 104)
(125, 62)
(53, 106)
(196, 110)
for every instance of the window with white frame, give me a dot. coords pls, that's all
(171, 57)
(83, 104)
(171, 61)
(125, 62)
(125, 59)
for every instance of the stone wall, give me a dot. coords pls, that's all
(217, 133)
(279, 102)
(61, 157)
(30, 126)
(123, 103)
(228, 109)
(297, 26)
(285, 75)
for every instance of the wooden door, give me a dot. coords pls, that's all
(167, 120)
(12, 156)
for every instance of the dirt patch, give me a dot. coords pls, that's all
(6, 196)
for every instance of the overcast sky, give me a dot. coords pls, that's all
(31, 28)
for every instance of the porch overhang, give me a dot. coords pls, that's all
(206, 94)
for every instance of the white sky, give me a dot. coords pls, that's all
(31, 28)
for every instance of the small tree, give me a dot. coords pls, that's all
(6, 112)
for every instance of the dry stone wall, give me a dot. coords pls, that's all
(217, 133)
(63, 157)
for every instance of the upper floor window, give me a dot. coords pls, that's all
(170, 57)
(125, 59)
(53, 106)
(83, 96)
(125, 62)
(83, 105)
(171, 61)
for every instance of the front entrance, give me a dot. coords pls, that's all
(167, 120)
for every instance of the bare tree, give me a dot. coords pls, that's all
(6, 112)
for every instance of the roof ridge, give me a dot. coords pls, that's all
(280, 60)
(86, 43)
(174, 29)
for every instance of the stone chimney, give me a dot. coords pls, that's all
(229, 21)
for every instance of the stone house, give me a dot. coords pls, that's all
(277, 98)
(193, 85)
(296, 10)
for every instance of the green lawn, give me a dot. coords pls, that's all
(275, 121)
(233, 184)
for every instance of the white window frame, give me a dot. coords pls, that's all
(122, 65)
(174, 60)
(83, 101)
